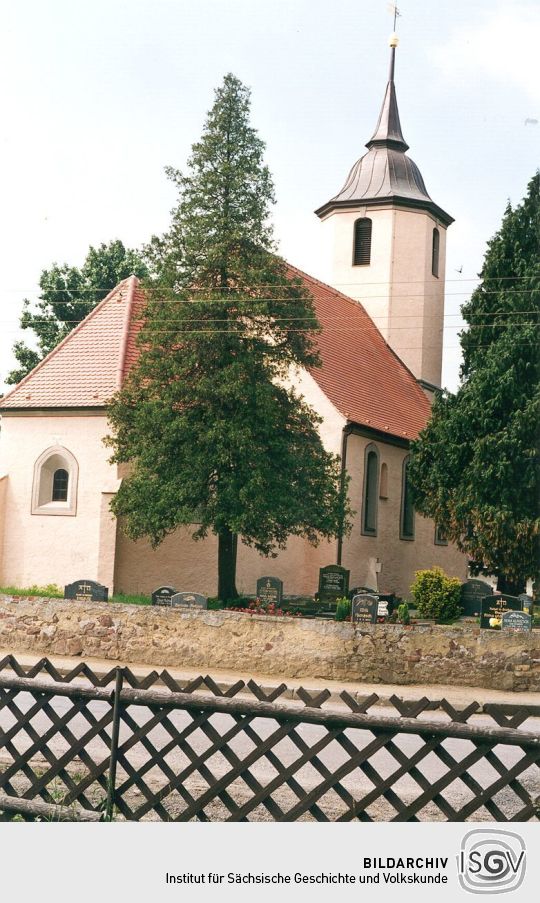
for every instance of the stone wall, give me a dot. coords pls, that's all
(285, 647)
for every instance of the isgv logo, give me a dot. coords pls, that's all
(491, 862)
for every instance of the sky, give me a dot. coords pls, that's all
(98, 96)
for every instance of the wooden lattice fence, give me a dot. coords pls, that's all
(78, 746)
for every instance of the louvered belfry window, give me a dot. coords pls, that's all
(362, 242)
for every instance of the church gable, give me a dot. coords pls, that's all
(88, 366)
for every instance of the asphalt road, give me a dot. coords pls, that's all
(357, 782)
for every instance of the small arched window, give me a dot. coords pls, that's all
(54, 489)
(60, 485)
(407, 509)
(435, 253)
(371, 491)
(362, 242)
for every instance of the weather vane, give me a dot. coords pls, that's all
(392, 8)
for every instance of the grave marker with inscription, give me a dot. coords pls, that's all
(189, 600)
(86, 591)
(472, 593)
(364, 609)
(495, 607)
(333, 582)
(163, 595)
(518, 621)
(270, 589)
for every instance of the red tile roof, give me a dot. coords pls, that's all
(360, 374)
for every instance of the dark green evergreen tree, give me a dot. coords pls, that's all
(475, 468)
(68, 294)
(214, 432)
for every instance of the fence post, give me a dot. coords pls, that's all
(111, 784)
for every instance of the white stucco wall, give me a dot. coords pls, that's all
(397, 288)
(39, 548)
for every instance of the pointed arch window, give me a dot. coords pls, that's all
(406, 529)
(383, 482)
(370, 496)
(362, 242)
(435, 243)
(54, 489)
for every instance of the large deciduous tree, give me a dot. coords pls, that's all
(67, 296)
(475, 468)
(215, 434)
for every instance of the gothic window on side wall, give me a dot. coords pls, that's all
(435, 244)
(370, 496)
(406, 527)
(54, 489)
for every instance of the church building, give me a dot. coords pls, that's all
(381, 352)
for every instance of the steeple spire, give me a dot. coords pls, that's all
(388, 131)
(385, 174)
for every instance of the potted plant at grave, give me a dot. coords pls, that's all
(343, 609)
(403, 613)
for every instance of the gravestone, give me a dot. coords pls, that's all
(333, 582)
(270, 589)
(163, 595)
(495, 607)
(189, 600)
(472, 593)
(364, 609)
(527, 603)
(86, 591)
(518, 621)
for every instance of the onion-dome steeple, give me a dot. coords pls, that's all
(385, 175)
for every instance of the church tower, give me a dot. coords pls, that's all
(387, 241)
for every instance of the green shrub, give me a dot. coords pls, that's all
(343, 609)
(436, 595)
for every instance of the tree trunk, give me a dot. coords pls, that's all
(227, 546)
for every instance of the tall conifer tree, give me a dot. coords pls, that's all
(475, 468)
(215, 434)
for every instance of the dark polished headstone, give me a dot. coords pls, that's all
(270, 589)
(333, 582)
(495, 607)
(519, 621)
(189, 600)
(163, 595)
(86, 591)
(472, 593)
(364, 609)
